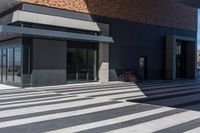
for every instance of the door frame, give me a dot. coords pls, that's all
(77, 68)
(145, 66)
(170, 57)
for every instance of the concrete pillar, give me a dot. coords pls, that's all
(104, 55)
(103, 62)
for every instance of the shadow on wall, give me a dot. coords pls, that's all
(168, 13)
(178, 94)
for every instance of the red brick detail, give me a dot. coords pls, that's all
(166, 13)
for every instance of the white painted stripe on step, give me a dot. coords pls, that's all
(196, 130)
(30, 100)
(107, 92)
(9, 90)
(128, 98)
(61, 115)
(111, 121)
(31, 95)
(160, 124)
(22, 94)
(56, 88)
(42, 108)
(36, 102)
(16, 90)
(134, 94)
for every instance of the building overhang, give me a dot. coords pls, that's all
(51, 20)
(8, 32)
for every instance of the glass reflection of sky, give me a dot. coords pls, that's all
(17, 56)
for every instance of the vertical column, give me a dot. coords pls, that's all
(104, 56)
(170, 66)
(191, 60)
(103, 62)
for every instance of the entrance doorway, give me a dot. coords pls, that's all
(81, 65)
(181, 59)
(143, 67)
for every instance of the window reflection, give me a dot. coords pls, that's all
(10, 65)
(4, 58)
(17, 65)
(81, 65)
(0, 65)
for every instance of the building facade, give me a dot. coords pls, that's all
(59, 42)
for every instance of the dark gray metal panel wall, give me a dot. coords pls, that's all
(191, 60)
(49, 62)
(133, 40)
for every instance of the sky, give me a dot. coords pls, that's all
(198, 33)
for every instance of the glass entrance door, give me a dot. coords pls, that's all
(71, 65)
(143, 67)
(81, 65)
(92, 65)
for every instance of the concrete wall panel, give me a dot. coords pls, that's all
(49, 62)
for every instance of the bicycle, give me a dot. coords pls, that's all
(128, 77)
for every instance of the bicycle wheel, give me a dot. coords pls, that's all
(133, 79)
(122, 78)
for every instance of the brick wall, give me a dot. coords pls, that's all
(157, 12)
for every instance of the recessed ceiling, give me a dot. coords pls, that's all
(7, 4)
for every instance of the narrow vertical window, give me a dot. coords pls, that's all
(17, 65)
(10, 65)
(0, 65)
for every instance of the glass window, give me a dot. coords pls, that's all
(17, 65)
(92, 65)
(4, 68)
(10, 65)
(81, 65)
(143, 67)
(71, 65)
(26, 65)
(0, 65)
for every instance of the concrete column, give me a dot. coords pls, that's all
(103, 62)
(104, 55)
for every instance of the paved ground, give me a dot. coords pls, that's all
(103, 108)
